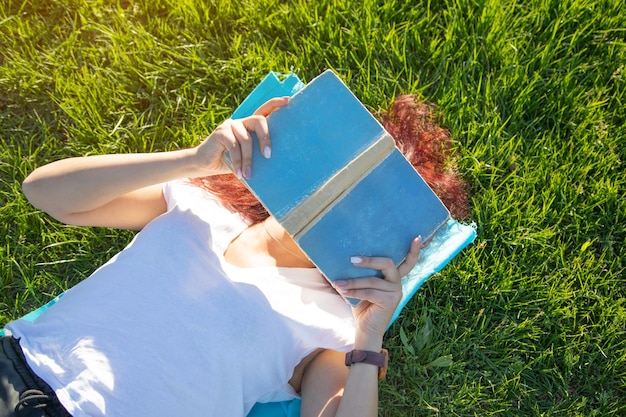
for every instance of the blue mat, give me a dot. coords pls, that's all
(445, 245)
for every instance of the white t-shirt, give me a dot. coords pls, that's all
(168, 328)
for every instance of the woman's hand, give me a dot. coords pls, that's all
(380, 297)
(234, 137)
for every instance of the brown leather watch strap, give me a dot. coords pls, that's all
(380, 359)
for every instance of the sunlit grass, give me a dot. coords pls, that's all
(528, 321)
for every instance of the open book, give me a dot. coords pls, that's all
(336, 182)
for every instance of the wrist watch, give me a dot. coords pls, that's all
(380, 359)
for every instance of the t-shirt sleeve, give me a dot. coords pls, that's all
(181, 193)
(168, 194)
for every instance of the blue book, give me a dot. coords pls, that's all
(337, 183)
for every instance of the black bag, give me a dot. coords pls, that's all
(22, 393)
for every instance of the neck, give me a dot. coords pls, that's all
(281, 246)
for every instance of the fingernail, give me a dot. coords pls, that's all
(356, 260)
(248, 172)
(239, 173)
(341, 282)
(267, 152)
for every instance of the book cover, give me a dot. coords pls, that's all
(336, 181)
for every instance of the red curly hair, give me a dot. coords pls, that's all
(419, 137)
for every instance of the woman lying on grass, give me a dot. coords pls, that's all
(212, 307)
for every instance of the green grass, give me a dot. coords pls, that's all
(529, 321)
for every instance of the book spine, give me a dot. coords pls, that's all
(299, 219)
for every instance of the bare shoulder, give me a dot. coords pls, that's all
(323, 383)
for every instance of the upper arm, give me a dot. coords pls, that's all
(129, 211)
(323, 383)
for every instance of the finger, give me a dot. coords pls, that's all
(373, 283)
(374, 290)
(412, 257)
(384, 265)
(231, 145)
(272, 104)
(245, 145)
(258, 125)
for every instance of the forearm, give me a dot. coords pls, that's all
(85, 183)
(360, 395)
